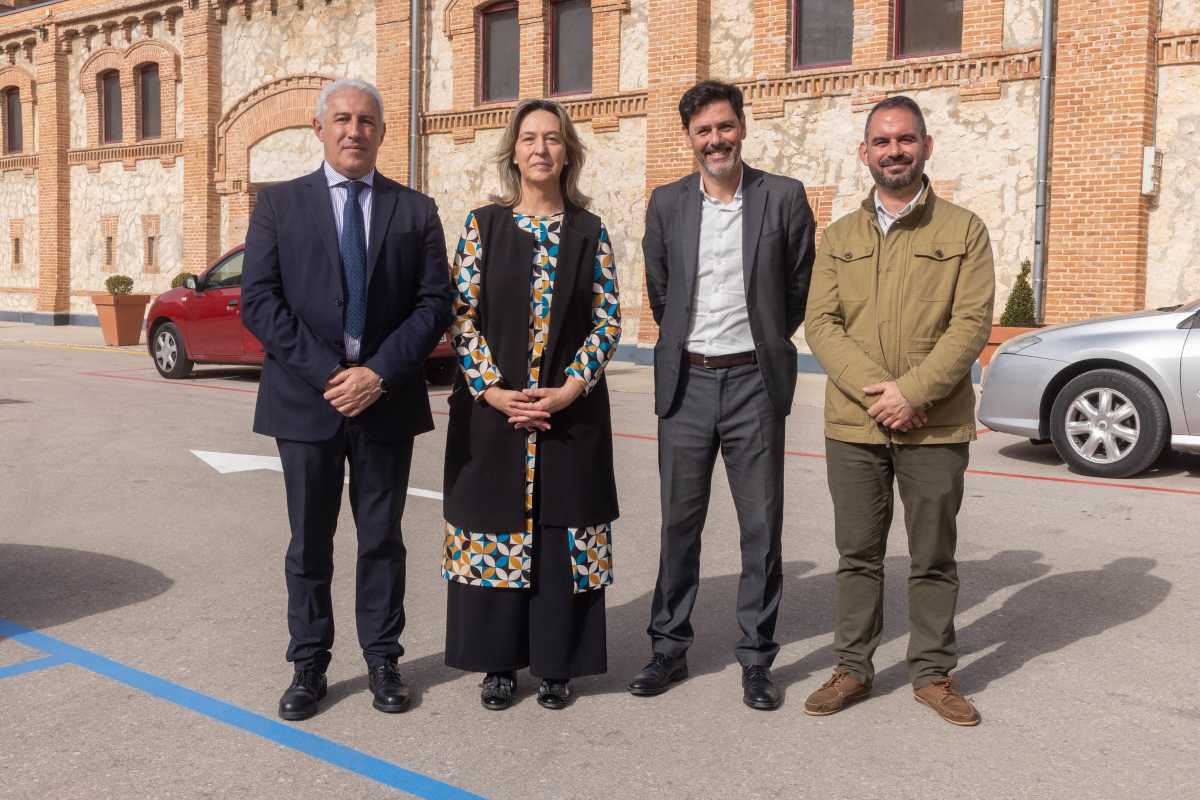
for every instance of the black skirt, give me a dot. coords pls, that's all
(546, 627)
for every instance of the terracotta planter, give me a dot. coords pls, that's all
(121, 317)
(999, 335)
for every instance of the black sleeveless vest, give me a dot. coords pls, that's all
(485, 457)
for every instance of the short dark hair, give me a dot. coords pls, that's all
(899, 101)
(705, 93)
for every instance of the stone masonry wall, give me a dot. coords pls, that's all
(1180, 15)
(439, 59)
(285, 155)
(150, 189)
(1173, 269)
(634, 45)
(18, 206)
(731, 40)
(1022, 24)
(335, 39)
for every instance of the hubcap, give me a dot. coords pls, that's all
(166, 352)
(1102, 426)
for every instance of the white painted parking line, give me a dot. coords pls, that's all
(228, 463)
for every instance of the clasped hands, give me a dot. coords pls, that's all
(531, 409)
(892, 409)
(352, 390)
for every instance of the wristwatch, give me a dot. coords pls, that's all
(383, 386)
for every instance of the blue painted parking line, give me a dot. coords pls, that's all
(301, 741)
(33, 665)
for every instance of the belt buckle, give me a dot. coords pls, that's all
(706, 358)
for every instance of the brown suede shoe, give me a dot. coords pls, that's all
(835, 694)
(943, 697)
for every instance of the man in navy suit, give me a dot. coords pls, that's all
(345, 283)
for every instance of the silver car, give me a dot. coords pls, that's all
(1111, 394)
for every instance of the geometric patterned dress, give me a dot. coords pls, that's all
(504, 559)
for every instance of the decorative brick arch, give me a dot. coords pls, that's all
(152, 51)
(126, 62)
(23, 81)
(281, 104)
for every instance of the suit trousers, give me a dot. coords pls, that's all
(930, 479)
(724, 411)
(314, 478)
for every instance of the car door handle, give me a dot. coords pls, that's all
(232, 303)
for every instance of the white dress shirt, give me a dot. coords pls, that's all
(337, 197)
(886, 218)
(720, 322)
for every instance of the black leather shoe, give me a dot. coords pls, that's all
(758, 690)
(657, 676)
(553, 694)
(391, 695)
(498, 690)
(300, 699)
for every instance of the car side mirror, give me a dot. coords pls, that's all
(191, 283)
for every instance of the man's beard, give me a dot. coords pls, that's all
(916, 168)
(735, 158)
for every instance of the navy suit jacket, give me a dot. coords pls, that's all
(294, 301)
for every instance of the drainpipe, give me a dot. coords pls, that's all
(416, 80)
(1045, 113)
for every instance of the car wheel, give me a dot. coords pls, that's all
(1109, 423)
(440, 371)
(170, 356)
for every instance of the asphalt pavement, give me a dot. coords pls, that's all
(142, 628)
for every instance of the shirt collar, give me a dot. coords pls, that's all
(737, 195)
(336, 178)
(879, 208)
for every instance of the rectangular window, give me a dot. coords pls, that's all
(500, 53)
(571, 47)
(13, 135)
(150, 102)
(110, 106)
(109, 253)
(16, 244)
(928, 27)
(823, 32)
(151, 254)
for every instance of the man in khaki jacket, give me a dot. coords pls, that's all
(899, 309)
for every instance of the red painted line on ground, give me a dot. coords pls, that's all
(164, 382)
(1137, 487)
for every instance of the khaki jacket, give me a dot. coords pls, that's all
(914, 306)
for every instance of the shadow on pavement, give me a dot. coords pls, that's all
(41, 587)
(1172, 462)
(246, 374)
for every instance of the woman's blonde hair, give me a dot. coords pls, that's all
(510, 176)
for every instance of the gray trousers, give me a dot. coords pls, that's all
(725, 411)
(930, 479)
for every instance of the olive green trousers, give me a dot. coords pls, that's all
(930, 482)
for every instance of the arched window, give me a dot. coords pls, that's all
(110, 106)
(14, 136)
(928, 27)
(823, 32)
(149, 102)
(571, 47)
(500, 48)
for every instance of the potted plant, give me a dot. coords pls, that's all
(120, 311)
(1018, 316)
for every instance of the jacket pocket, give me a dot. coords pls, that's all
(855, 272)
(935, 268)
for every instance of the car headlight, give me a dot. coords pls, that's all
(1019, 344)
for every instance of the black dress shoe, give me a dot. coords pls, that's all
(758, 690)
(657, 676)
(300, 699)
(554, 694)
(498, 690)
(391, 694)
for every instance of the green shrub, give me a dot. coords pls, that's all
(119, 284)
(1018, 311)
(181, 279)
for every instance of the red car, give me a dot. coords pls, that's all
(201, 323)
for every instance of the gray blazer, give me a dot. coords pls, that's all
(777, 258)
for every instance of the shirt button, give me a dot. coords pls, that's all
(848, 254)
(338, 302)
(938, 253)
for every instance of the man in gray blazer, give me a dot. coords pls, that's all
(729, 252)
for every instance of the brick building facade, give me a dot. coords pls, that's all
(236, 82)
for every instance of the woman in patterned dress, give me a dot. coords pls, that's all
(529, 486)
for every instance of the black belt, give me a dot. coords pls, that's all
(722, 362)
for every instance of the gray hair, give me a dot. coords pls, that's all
(341, 84)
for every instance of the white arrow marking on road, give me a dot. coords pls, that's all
(227, 463)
